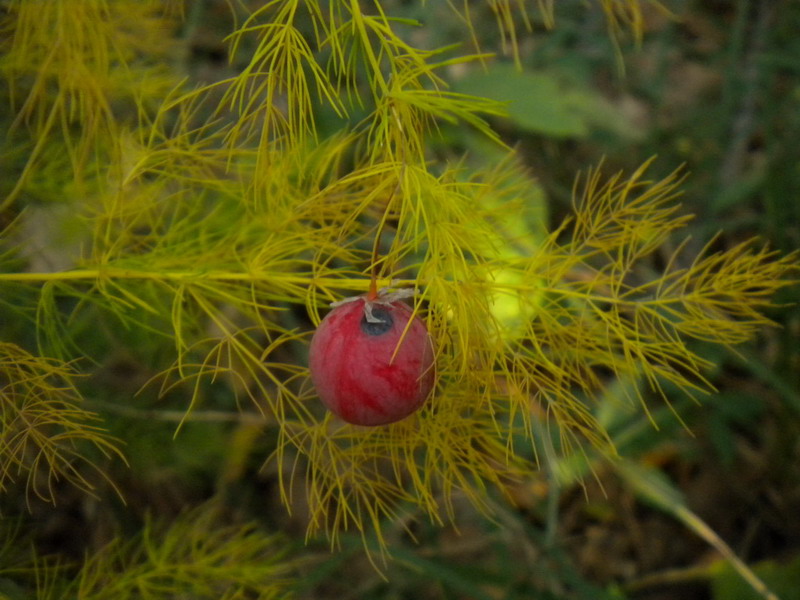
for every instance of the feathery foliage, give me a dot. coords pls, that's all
(216, 225)
(44, 433)
(197, 555)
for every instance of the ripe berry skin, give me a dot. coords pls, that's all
(351, 362)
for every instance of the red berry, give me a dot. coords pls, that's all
(354, 366)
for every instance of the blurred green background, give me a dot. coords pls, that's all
(714, 86)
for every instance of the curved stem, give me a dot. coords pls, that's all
(372, 294)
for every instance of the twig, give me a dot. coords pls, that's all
(205, 416)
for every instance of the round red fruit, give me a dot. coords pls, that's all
(369, 365)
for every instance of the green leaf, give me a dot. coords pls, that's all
(782, 579)
(650, 484)
(729, 410)
(542, 102)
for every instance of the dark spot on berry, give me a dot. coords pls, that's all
(385, 324)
